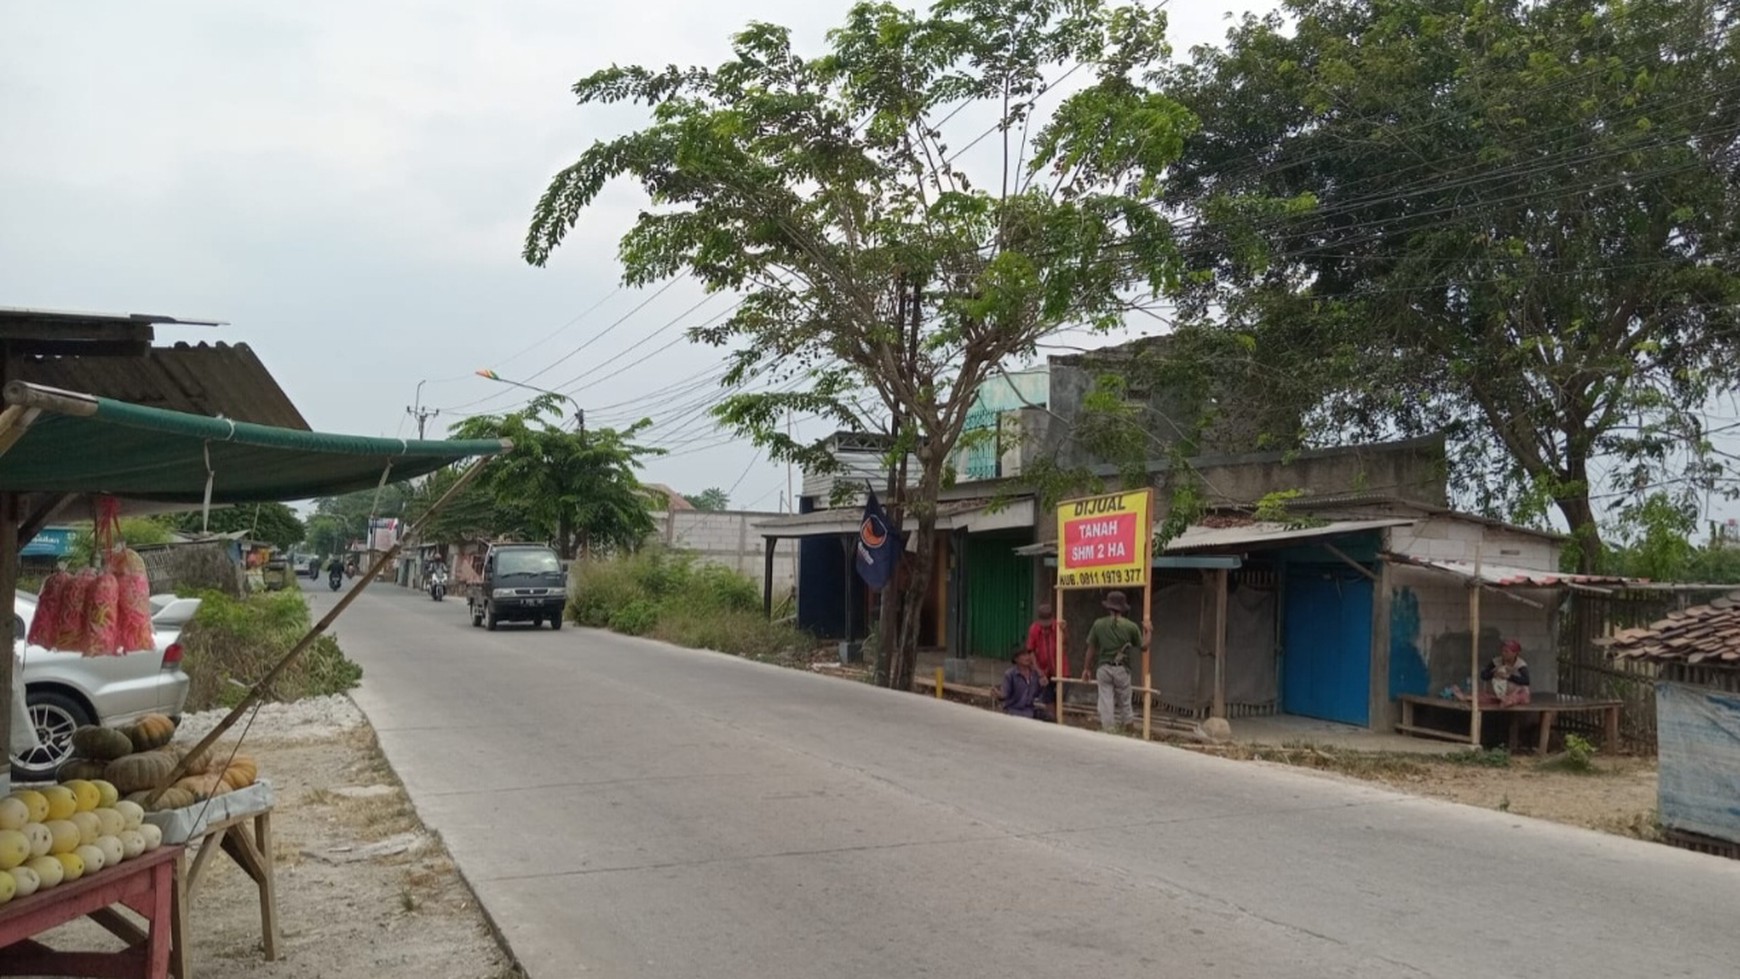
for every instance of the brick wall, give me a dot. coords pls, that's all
(728, 538)
(1429, 628)
(1450, 538)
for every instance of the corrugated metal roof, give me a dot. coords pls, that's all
(972, 515)
(1706, 634)
(220, 380)
(1507, 576)
(72, 318)
(1249, 536)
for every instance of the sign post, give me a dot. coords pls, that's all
(1108, 542)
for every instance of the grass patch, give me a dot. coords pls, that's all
(1480, 757)
(237, 641)
(668, 595)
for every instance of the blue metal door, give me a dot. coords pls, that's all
(1327, 648)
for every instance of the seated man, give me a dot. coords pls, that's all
(1507, 676)
(1024, 689)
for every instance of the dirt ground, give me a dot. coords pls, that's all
(1617, 796)
(346, 911)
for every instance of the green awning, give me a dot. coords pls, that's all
(76, 443)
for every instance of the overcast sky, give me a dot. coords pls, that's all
(347, 185)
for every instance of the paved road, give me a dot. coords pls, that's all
(624, 808)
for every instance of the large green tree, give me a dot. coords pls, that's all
(273, 523)
(577, 488)
(903, 212)
(1511, 220)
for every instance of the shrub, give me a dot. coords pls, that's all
(671, 596)
(232, 643)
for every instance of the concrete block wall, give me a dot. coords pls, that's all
(1452, 538)
(728, 538)
(1429, 629)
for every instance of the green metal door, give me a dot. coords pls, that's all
(999, 593)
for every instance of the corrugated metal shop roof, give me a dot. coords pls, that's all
(1707, 634)
(1507, 576)
(1252, 535)
(220, 380)
(974, 516)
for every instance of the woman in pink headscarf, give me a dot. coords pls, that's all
(1507, 676)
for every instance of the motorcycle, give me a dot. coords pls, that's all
(335, 579)
(438, 585)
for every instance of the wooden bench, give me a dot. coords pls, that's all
(1546, 707)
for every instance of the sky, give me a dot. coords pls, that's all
(347, 185)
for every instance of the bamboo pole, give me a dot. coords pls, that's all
(344, 602)
(1062, 642)
(1148, 622)
(1474, 649)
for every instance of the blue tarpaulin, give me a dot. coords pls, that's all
(1698, 731)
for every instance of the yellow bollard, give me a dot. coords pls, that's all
(939, 682)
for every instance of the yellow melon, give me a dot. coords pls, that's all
(41, 840)
(93, 857)
(36, 802)
(153, 836)
(48, 870)
(90, 827)
(8, 888)
(13, 813)
(65, 834)
(132, 843)
(85, 794)
(25, 881)
(61, 801)
(14, 848)
(72, 866)
(110, 795)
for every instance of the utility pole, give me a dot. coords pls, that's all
(421, 413)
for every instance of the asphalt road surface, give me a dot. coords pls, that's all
(625, 808)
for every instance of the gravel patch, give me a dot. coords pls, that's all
(312, 719)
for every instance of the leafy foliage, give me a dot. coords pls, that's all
(884, 275)
(576, 488)
(1511, 221)
(134, 531)
(340, 520)
(271, 523)
(670, 596)
(712, 498)
(241, 640)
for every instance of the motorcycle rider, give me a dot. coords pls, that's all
(436, 575)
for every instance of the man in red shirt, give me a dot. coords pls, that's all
(1042, 643)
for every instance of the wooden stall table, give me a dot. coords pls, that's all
(145, 884)
(1546, 707)
(239, 825)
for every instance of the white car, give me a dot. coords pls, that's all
(65, 691)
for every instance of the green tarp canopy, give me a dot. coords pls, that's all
(63, 442)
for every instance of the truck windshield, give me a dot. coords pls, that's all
(527, 562)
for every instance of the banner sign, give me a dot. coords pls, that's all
(1103, 541)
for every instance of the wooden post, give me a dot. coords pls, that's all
(1062, 642)
(8, 582)
(767, 579)
(1148, 622)
(1220, 596)
(1474, 649)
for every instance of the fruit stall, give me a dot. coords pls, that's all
(121, 838)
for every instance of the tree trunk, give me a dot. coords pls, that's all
(905, 659)
(1579, 515)
(565, 538)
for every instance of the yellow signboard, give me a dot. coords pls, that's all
(1104, 541)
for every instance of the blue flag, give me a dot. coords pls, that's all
(878, 545)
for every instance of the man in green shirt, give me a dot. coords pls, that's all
(1111, 642)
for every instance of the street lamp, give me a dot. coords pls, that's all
(579, 412)
(417, 410)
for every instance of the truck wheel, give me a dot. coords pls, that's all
(490, 620)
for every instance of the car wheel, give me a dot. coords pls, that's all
(490, 620)
(556, 622)
(56, 717)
